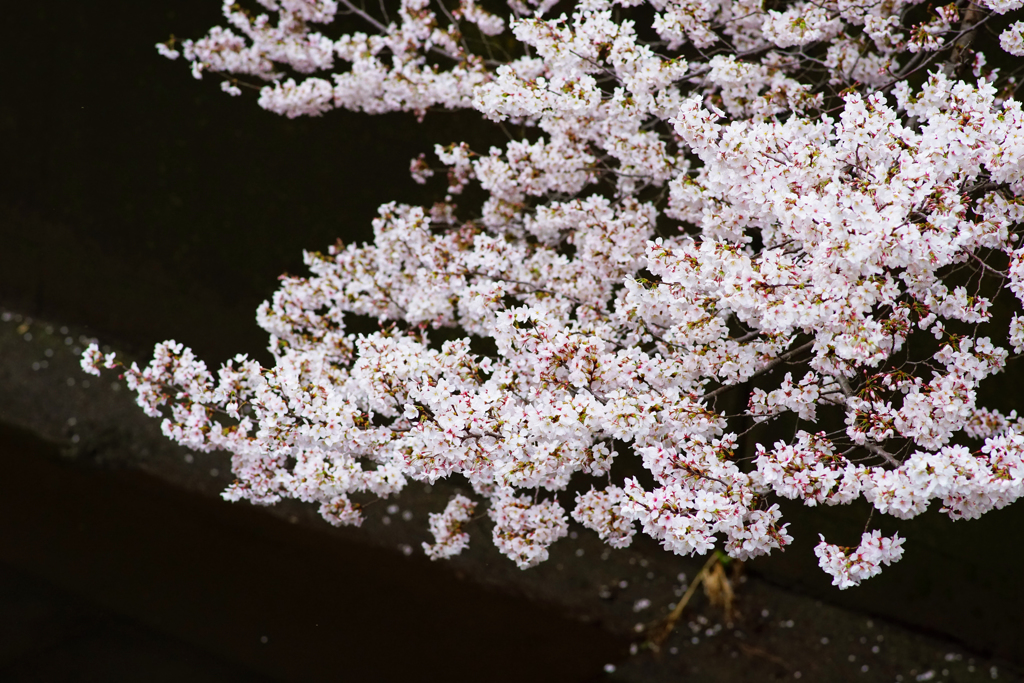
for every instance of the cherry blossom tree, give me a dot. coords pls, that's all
(711, 219)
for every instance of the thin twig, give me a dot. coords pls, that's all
(664, 629)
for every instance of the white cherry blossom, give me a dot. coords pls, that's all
(790, 233)
(849, 566)
(449, 538)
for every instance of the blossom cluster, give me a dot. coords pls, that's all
(850, 566)
(754, 252)
(447, 528)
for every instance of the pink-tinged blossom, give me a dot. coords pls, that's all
(420, 170)
(93, 360)
(849, 566)
(601, 511)
(447, 529)
(165, 50)
(809, 470)
(311, 97)
(524, 530)
(1012, 39)
(1002, 6)
(489, 24)
(801, 24)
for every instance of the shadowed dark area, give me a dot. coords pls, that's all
(174, 586)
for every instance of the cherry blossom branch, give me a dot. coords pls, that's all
(665, 144)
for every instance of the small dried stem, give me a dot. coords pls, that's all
(664, 629)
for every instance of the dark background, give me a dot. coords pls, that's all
(148, 205)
